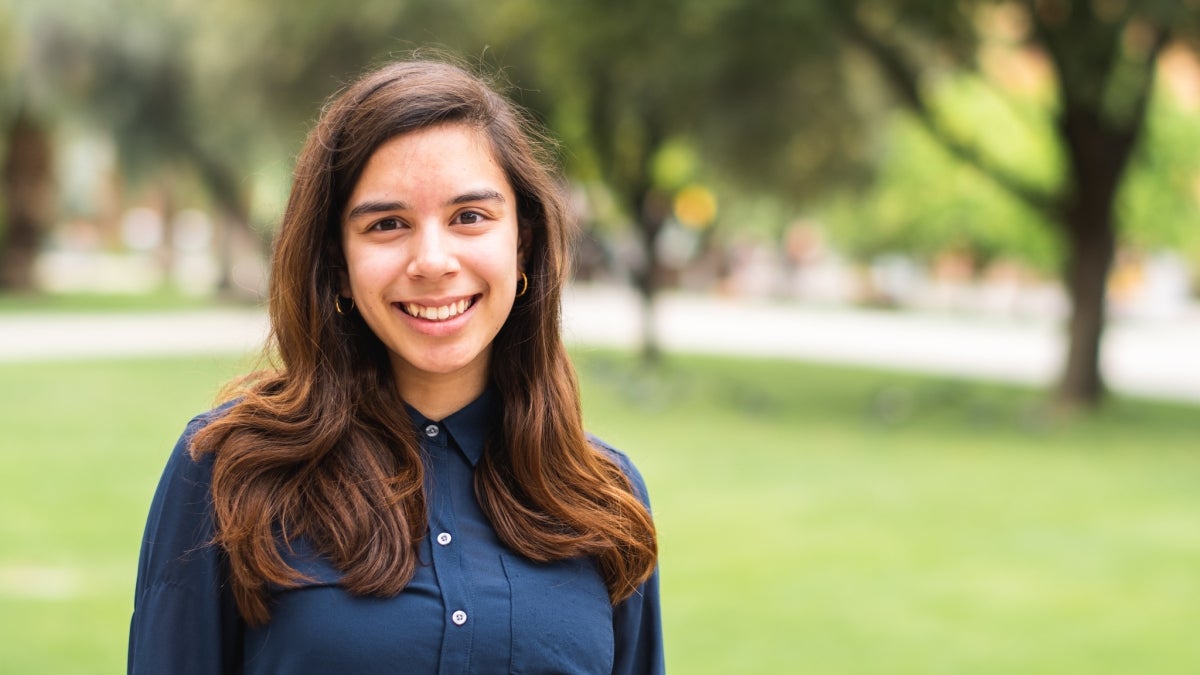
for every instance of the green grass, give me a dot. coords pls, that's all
(163, 299)
(812, 519)
(81, 447)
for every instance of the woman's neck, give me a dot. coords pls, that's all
(437, 396)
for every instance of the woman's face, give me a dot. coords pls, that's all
(433, 254)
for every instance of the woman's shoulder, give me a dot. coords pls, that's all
(179, 526)
(205, 418)
(199, 422)
(183, 470)
(626, 465)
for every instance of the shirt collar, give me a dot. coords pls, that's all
(470, 426)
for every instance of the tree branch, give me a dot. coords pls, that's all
(1137, 119)
(904, 81)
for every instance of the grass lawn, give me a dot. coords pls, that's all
(154, 301)
(812, 519)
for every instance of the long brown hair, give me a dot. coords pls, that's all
(322, 447)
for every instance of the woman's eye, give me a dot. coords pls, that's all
(386, 225)
(469, 218)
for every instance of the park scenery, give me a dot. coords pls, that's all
(895, 303)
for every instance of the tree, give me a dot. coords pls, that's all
(27, 187)
(624, 83)
(123, 69)
(1102, 56)
(621, 84)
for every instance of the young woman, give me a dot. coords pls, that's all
(410, 490)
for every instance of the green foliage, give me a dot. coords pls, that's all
(1159, 204)
(821, 519)
(924, 201)
(675, 164)
(756, 93)
(1016, 130)
(766, 98)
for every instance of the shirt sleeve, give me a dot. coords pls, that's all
(184, 617)
(637, 620)
(637, 632)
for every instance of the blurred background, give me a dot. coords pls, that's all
(895, 302)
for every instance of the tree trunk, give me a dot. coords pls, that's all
(232, 233)
(28, 197)
(233, 219)
(168, 203)
(1099, 154)
(1092, 245)
(652, 216)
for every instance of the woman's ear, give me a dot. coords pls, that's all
(524, 243)
(343, 280)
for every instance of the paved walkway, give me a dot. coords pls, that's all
(1159, 359)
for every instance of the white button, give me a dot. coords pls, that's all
(431, 430)
(459, 617)
(444, 538)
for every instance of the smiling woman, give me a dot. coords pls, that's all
(412, 487)
(432, 260)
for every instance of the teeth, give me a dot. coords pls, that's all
(437, 313)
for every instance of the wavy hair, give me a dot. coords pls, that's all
(321, 446)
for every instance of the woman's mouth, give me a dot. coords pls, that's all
(439, 313)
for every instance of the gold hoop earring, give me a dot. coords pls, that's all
(524, 285)
(337, 304)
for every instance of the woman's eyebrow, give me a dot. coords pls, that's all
(477, 196)
(369, 207)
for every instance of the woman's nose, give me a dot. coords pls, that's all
(433, 253)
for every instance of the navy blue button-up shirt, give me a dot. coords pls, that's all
(473, 606)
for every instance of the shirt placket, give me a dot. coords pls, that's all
(459, 626)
